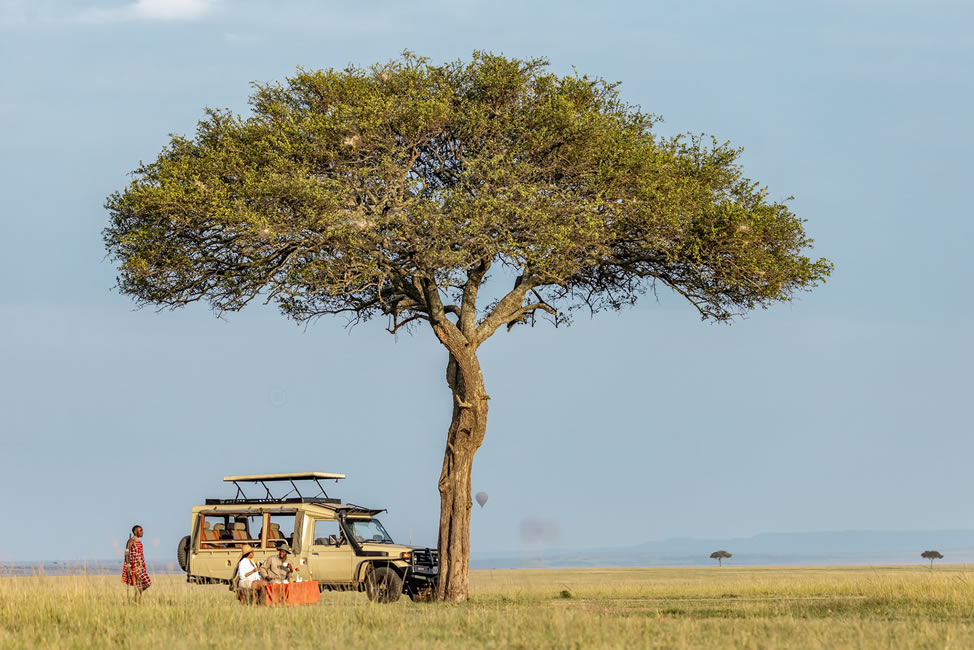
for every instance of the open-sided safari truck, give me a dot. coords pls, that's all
(341, 546)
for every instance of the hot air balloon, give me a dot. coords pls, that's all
(481, 498)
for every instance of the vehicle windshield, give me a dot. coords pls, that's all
(369, 530)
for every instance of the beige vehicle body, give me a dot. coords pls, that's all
(340, 546)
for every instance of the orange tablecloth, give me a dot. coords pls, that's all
(292, 593)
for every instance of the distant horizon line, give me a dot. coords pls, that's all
(637, 547)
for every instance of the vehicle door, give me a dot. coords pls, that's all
(331, 556)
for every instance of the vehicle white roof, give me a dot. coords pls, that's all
(299, 476)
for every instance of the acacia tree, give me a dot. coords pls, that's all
(720, 556)
(400, 190)
(931, 555)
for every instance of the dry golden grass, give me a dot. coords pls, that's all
(801, 607)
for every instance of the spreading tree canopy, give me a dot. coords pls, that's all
(932, 555)
(720, 556)
(400, 189)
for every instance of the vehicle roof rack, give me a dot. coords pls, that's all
(298, 476)
(246, 501)
(264, 479)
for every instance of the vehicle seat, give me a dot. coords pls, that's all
(275, 532)
(240, 531)
(273, 535)
(207, 535)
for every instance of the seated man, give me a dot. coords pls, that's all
(277, 569)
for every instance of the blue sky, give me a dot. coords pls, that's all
(842, 410)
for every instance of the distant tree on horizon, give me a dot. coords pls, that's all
(932, 555)
(720, 556)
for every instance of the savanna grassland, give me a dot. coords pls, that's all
(730, 607)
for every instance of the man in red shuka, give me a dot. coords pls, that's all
(134, 571)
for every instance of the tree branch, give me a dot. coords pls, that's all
(397, 325)
(432, 300)
(468, 303)
(519, 315)
(506, 308)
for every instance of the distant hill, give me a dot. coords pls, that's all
(853, 547)
(848, 541)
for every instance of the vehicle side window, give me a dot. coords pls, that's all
(227, 530)
(327, 532)
(280, 527)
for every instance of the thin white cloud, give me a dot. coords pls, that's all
(149, 10)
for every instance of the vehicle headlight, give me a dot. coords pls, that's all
(406, 555)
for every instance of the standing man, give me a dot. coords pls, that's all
(277, 569)
(134, 571)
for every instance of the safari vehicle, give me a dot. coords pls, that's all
(342, 546)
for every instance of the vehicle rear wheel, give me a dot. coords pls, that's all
(383, 585)
(182, 553)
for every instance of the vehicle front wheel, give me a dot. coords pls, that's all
(383, 585)
(182, 553)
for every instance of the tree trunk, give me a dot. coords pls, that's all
(720, 563)
(466, 433)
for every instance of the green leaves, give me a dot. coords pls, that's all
(345, 189)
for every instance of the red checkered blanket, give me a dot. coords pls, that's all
(134, 571)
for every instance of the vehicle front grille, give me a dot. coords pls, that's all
(426, 557)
